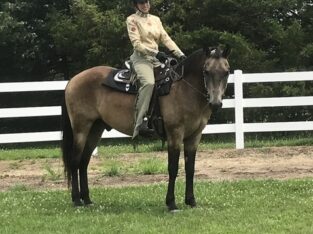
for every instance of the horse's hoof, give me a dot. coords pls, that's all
(172, 207)
(191, 202)
(78, 203)
(88, 203)
(175, 211)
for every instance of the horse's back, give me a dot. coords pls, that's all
(82, 91)
(90, 77)
(86, 96)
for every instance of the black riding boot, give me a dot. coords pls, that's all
(144, 129)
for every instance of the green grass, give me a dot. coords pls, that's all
(51, 174)
(18, 188)
(151, 166)
(114, 147)
(112, 168)
(268, 206)
(29, 153)
(284, 141)
(146, 165)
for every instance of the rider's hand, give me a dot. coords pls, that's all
(161, 56)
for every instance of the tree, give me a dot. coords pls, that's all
(50, 39)
(26, 49)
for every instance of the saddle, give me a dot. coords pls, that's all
(125, 80)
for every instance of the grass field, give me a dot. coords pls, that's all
(247, 206)
(113, 147)
(223, 207)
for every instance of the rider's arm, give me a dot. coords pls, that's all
(168, 42)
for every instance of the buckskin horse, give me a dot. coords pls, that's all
(90, 108)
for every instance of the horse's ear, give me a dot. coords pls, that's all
(226, 52)
(209, 51)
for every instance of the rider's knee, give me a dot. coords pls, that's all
(149, 83)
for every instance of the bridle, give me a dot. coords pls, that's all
(179, 76)
(205, 95)
(202, 94)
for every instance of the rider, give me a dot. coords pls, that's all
(145, 31)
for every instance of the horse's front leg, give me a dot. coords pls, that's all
(173, 161)
(190, 156)
(190, 149)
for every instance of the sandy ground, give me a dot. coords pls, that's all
(214, 165)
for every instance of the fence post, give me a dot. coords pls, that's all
(239, 109)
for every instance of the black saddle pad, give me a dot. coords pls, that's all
(118, 79)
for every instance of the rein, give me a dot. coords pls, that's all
(206, 96)
(180, 77)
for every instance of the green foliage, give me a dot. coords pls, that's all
(52, 40)
(48, 39)
(26, 48)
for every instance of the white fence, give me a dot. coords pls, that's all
(239, 103)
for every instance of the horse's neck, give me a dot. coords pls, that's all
(194, 78)
(192, 85)
(193, 70)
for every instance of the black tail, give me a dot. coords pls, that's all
(67, 143)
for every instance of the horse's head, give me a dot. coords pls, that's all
(215, 73)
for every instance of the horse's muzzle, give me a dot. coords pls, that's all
(215, 106)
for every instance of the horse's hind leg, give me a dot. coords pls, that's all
(80, 131)
(92, 140)
(190, 149)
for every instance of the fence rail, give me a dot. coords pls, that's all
(238, 103)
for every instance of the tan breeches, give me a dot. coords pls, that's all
(145, 75)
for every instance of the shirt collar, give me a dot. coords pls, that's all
(141, 14)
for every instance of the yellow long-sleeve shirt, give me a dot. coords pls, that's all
(146, 31)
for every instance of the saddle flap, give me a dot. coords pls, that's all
(120, 80)
(123, 76)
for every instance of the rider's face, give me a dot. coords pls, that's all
(144, 7)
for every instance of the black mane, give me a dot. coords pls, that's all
(193, 61)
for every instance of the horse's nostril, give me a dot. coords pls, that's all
(215, 106)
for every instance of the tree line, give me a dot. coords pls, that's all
(50, 40)
(54, 40)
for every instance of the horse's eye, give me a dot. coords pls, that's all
(205, 72)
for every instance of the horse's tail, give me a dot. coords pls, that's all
(67, 143)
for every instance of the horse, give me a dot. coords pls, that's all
(90, 108)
